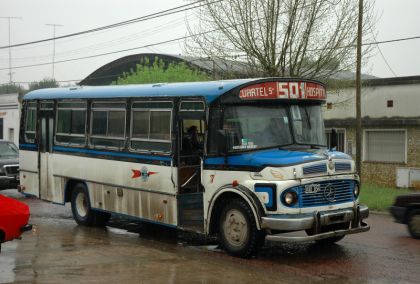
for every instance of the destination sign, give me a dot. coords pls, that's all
(283, 90)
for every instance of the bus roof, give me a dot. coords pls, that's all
(209, 90)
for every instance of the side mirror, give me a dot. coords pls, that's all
(334, 139)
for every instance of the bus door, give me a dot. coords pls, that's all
(191, 129)
(46, 127)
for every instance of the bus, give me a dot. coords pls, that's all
(242, 160)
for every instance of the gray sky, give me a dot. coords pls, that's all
(397, 19)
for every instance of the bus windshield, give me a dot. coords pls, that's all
(268, 126)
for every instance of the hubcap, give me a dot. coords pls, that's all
(415, 224)
(81, 204)
(235, 227)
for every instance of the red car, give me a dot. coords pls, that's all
(14, 216)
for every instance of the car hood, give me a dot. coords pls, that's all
(9, 161)
(407, 199)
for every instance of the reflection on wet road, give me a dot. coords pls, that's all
(59, 251)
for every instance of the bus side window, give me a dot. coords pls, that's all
(151, 125)
(30, 122)
(108, 124)
(71, 123)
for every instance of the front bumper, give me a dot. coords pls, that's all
(7, 182)
(315, 221)
(27, 227)
(398, 213)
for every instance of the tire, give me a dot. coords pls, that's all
(238, 233)
(83, 214)
(413, 223)
(334, 227)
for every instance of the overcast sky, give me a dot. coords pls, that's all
(397, 19)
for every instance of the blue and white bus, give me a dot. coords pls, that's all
(243, 160)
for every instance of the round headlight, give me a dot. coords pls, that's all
(356, 190)
(289, 198)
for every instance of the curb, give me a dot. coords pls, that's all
(380, 212)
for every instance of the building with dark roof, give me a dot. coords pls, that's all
(217, 68)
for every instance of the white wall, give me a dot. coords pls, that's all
(10, 113)
(406, 99)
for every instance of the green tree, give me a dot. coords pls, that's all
(159, 72)
(43, 84)
(10, 88)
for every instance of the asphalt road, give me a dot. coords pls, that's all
(60, 251)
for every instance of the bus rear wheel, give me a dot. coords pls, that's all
(238, 233)
(83, 213)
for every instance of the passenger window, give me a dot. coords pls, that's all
(151, 126)
(71, 123)
(30, 123)
(108, 124)
(192, 136)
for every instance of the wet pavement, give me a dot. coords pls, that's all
(60, 251)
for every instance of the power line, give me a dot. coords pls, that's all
(159, 14)
(189, 36)
(382, 55)
(105, 44)
(111, 52)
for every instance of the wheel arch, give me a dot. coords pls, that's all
(410, 208)
(68, 189)
(2, 235)
(227, 193)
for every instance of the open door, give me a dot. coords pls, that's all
(46, 127)
(191, 129)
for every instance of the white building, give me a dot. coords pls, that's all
(390, 122)
(9, 117)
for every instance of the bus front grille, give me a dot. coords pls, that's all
(330, 192)
(11, 170)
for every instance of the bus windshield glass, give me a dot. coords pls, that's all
(268, 126)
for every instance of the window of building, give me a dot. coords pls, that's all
(151, 126)
(71, 122)
(341, 139)
(385, 146)
(30, 122)
(108, 124)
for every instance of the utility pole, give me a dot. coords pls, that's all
(53, 58)
(358, 92)
(10, 49)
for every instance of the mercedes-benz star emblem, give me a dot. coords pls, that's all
(329, 193)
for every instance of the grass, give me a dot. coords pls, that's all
(379, 198)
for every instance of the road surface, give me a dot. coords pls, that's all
(60, 251)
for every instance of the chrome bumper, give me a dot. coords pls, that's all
(298, 222)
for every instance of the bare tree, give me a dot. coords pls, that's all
(302, 38)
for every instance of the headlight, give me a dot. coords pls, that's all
(356, 190)
(289, 198)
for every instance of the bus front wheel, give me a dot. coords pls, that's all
(238, 233)
(83, 214)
